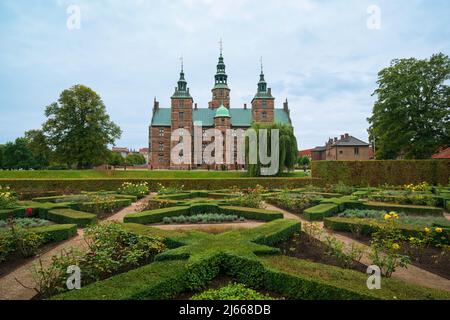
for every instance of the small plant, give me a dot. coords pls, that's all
(202, 218)
(346, 257)
(8, 198)
(231, 292)
(134, 189)
(111, 249)
(312, 230)
(168, 190)
(385, 246)
(424, 186)
(251, 198)
(342, 188)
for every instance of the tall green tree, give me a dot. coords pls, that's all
(38, 144)
(2, 147)
(135, 159)
(79, 129)
(411, 116)
(287, 148)
(17, 155)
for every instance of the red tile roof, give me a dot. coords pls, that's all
(444, 154)
(306, 152)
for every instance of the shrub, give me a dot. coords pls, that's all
(295, 203)
(321, 211)
(231, 292)
(8, 198)
(135, 189)
(201, 218)
(69, 216)
(406, 209)
(25, 222)
(17, 239)
(377, 173)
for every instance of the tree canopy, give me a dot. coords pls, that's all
(287, 148)
(78, 128)
(411, 117)
(17, 155)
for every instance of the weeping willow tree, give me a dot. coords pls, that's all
(287, 149)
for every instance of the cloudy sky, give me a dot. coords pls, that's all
(319, 54)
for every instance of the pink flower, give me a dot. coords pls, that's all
(29, 212)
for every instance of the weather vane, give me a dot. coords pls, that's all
(261, 64)
(182, 63)
(221, 46)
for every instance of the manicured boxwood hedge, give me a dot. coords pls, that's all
(321, 211)
(93, 207)
(291, 277)
(252, 213)
(65, 216)
(154, 216)
(376, 173)
(406, 209)
(346, 202)
(305, 280)
(56, 232)
(67, 186)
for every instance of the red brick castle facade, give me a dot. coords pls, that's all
(183, 113)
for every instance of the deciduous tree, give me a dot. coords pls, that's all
(411, 116)
(79, 129)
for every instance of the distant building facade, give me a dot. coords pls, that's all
(344, 149)
(184, 113)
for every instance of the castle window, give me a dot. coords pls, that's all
(264, 115)
(223, 120)
(161, 132)
(161, 146)
(181, 104)
(161, 159)
(356, 151)
(264, 104)
(181, 116)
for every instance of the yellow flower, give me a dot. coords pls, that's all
(438, 230)
(427, 230)
(412, 239)
(395, 246)
(387, 217)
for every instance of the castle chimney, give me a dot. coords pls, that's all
(342, 137)
(245, 106)
(155, 104)
(195, 106)
(335, 139)
(346, 136)
(269, 91)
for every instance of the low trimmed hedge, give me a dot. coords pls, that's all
(67, 186)
(252, 213)
(321, 211)
(96, 207)
(56, 232)
(69, 216)
(154, 216)
(305, 280)
(377, 173)
(291, 277)
(346, 202)
(406, 209)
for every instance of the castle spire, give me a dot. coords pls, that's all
(221, 77)
(181, 90)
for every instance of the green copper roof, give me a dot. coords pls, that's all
(239, 117)
(222, 112)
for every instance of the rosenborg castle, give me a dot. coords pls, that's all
(183, 113)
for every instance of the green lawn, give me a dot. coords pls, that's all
(94, 174)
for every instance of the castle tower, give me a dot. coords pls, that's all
(220, 92)
(263, 104)
(222, 122)
(181, 111)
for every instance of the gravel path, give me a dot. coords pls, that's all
(412, 274)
